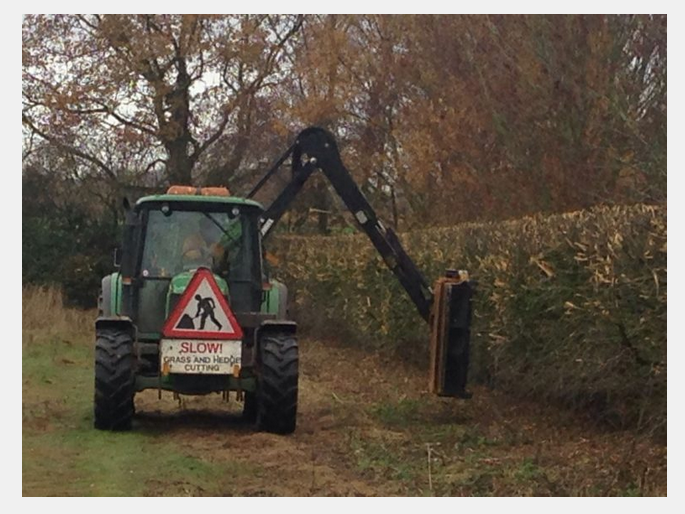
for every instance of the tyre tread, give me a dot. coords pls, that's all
(114, 380)
(278, 383)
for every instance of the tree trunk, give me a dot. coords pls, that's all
(176, 131)
(179, 163)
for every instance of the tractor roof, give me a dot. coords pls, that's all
(200, 199)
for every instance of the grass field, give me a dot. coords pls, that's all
(365, 427)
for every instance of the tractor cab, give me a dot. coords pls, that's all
(173, 235)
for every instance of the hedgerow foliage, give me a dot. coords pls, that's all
(569, 308)
(66, 242)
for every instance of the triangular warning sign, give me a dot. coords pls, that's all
(202, 312)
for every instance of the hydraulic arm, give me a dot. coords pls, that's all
(449, 316)
(316, 149)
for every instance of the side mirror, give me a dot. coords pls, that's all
(117, 258)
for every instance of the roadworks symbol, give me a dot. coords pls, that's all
(202, 312)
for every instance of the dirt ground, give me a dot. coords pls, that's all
(366, 427)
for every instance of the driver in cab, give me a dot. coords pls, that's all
(203, 247)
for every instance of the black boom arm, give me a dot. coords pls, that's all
(315, 148)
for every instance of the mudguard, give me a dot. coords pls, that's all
(276, 300)
(121, 323)
(110, 295)
(277, 325)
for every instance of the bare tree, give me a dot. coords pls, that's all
(163, 87)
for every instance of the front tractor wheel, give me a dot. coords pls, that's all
(114, 380)
(277, 383)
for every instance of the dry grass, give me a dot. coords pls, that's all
(569, 308)
(44, 315)
(364, 425)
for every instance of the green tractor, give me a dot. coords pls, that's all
(192, 309)
(169, 240)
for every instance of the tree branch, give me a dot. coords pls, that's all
(217, 133)
(108, 110)
(69, 148)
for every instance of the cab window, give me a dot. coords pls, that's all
(179, 240)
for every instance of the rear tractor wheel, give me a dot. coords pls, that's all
(250, 407)
(114, 380)
(276, 397)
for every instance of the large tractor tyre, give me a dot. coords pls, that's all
(250, 407)
(114, 380)
(277, 383)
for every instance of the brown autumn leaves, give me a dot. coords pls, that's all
(441, 118)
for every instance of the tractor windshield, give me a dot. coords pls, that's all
(178, 240)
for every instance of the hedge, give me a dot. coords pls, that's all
(569, 308)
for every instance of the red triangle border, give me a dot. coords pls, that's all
(186, 297)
